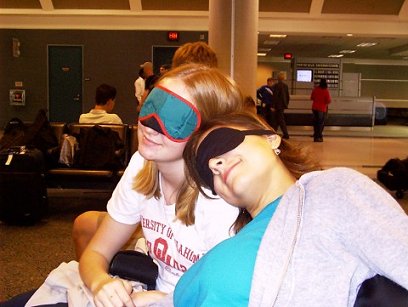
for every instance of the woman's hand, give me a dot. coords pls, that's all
(112, 292)
(145, 298)
(94, 264)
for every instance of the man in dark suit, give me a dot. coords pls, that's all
(280, 103)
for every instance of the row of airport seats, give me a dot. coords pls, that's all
(77, 178)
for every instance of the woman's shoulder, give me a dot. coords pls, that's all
(339, 183)
(337, 173)
(335, 181)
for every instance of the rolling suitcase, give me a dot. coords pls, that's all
(23, 192)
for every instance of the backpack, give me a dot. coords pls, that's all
(100, 148)
(14, 134)
(38, 135)
(394, 176)
(41, 135)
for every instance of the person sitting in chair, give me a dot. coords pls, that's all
(104, 103)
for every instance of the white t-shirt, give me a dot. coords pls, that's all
(172, 244)
(139, 88)
(99, 117)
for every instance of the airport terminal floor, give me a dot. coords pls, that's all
(363, 149)
(28, 254)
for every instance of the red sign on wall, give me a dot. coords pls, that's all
(173, 36)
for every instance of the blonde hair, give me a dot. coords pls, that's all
(296, 159)
(197, 52)
(214, 94)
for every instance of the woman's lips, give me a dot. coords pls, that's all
(148, 141)
(228, 171)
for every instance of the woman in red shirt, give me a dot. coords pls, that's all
(321, 98)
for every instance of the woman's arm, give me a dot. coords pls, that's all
(148, 298)
(94, 264)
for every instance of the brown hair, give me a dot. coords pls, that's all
(249, 104)
(214, 94)
(197, 52)
(295, 158)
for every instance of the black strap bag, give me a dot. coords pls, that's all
(380, 291)
(136, 266)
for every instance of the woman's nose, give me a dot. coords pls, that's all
(149, 130)
(216, 165)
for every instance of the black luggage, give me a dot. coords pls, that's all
(394, 175)
(23, 192)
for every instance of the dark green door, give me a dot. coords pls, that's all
(65, 83)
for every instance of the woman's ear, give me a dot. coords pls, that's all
(274, 140)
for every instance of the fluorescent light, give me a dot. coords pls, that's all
(349, 34)
(366, 44)
(336, 55)
(347, 51)
(271, 42)
(278, 35)
(261, 54)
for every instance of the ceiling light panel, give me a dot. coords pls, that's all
(271, 42)
(277, 35)
(366, 44)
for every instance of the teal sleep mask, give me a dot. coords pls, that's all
(170, 114)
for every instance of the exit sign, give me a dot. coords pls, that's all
(173, 36)
(288, 56)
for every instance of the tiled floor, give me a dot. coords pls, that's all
(366, 155)
(365, 150)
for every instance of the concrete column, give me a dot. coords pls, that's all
(233, 34)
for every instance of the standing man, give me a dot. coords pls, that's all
(140, 86)
(265, 95)
(164, 68)
(280, 103)
(150, 80)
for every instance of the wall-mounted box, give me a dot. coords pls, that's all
(17, 97)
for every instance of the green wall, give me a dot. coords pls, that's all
(111, 57)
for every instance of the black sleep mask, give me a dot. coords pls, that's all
(218, 142)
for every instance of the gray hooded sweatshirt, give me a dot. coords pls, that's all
(331, 231)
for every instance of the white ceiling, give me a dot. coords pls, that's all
(314, 28)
